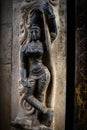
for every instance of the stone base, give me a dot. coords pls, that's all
(25, 123)
(35, 121)
(22, 127)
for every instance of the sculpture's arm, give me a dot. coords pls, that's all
(50, 18)
(23, 70)
(52, 27)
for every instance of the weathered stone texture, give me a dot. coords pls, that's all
(58, 61)
(5, 83)
(6, 36)
(5, 64)
(15, 60)
(6, 12)
(9, 63)
(60, 67)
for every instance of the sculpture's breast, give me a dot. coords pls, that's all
(34, 49)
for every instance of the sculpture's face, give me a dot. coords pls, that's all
(34, 34)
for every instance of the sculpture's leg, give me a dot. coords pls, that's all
(43, 84)
(47, 114)
(33, 101)
(23, 64)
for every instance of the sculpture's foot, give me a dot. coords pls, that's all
(42, 127)
(21, 124)
(25, 122)
(46, 118)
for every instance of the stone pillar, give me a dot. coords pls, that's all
(9, 60)
(5, 63)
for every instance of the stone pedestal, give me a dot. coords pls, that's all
(35, 128)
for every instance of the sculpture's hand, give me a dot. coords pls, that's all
(24, 83)
(24, 88)
(30, 87)
(31, 83)
(53, 36)
(48, 9)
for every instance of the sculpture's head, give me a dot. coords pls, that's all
(34, 33)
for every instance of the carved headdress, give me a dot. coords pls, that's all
(29, 11)
(35, 26)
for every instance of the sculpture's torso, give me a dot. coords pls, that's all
(34, 51)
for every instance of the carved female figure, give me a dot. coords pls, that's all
(35, 76)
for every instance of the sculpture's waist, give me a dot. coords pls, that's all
(38, 70)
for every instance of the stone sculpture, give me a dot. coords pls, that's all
(35, 76)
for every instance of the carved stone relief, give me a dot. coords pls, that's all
(38, 31)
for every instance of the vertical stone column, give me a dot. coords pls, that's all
(58, 61)
(60, 66)
(15, 60)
